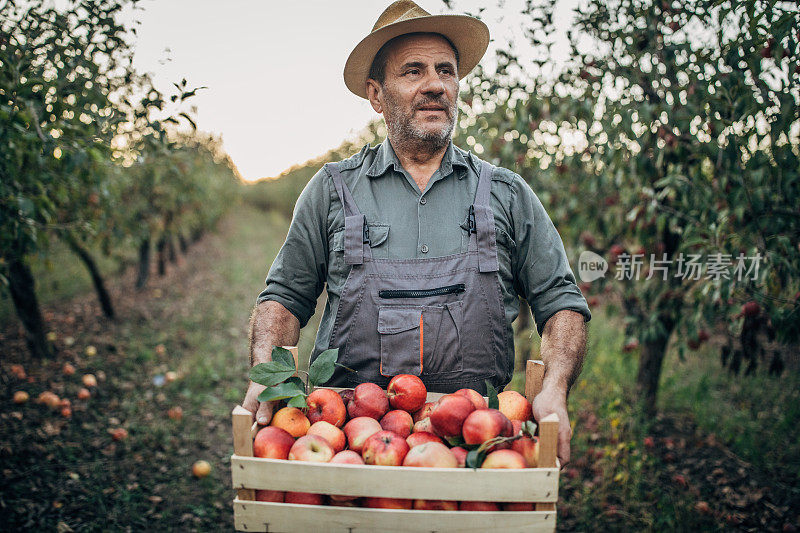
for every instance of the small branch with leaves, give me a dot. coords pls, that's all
(280, 376)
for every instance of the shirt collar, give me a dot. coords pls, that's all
(385, 157)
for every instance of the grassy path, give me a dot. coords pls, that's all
(66, 475)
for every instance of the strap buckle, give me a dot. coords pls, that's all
(473, 226)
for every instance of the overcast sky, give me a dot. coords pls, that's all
(274, 69)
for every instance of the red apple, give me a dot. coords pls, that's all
(514, 405)
(449, 415)
(272, 443)
(504, 459)
(423, 426)
(435, 505)
(346, 395)
(311, 448)
(368, 400)
(388, 503)
(305, 498)
(431, 455)
(518, 506)
(751, 309)
(425, 412)
(478, 506)
(325, 404)
(485, 424)
(330, 433)
(347, 457)
(385, 448)
(473, 396)
(516, 427)
(406, 392)
(270, 496)
(398, 421)
(460, 455)
(415, 439)
(529, 449)
(358, 430)
(355, 502)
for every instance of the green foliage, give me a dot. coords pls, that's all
(84, 157)
(671, 131)
(278, 376)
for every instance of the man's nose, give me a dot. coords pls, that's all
(433, 84)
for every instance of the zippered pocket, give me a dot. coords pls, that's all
(422, 293)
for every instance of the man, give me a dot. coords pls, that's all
(424, 249)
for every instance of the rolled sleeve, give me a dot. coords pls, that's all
(540, 265)
(297, 276)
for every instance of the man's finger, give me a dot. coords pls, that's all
(264, 414)
(563, 447)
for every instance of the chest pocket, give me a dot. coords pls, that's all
(378, 241)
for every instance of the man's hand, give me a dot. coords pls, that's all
(563, 348)
(270, 325)
(262, 411)
(551, 401)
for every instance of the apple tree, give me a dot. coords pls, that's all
(668, 144)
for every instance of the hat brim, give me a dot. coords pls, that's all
(469, 35)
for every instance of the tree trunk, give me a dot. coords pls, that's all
(182, 243)
(144, 264)
(173, 256)
(161, 256)
(94, 272)
(650, 364)
(23, 294)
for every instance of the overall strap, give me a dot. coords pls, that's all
(356, 231)
(481, 213)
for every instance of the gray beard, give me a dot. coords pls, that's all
(403, 133)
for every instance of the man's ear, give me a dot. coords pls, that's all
(375, 95)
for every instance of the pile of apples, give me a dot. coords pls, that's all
(397, 427)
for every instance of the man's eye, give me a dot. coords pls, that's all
(412, 71)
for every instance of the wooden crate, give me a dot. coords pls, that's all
(538, 485)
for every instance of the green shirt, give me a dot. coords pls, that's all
(406, 223)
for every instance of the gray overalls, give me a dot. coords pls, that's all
(439, 318)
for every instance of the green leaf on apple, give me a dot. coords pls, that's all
(491, 394)
(322, 367)
(284, 357)
(288, 389)
(529, 428)
(458, 440)
(298, 401)
(270, 373)
(475, 458)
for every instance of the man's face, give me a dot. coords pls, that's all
(419, 96)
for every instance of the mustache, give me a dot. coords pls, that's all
(440, 102)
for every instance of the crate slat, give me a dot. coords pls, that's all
(517, 485)
(289, 518)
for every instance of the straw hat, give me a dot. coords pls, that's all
(469, 35)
